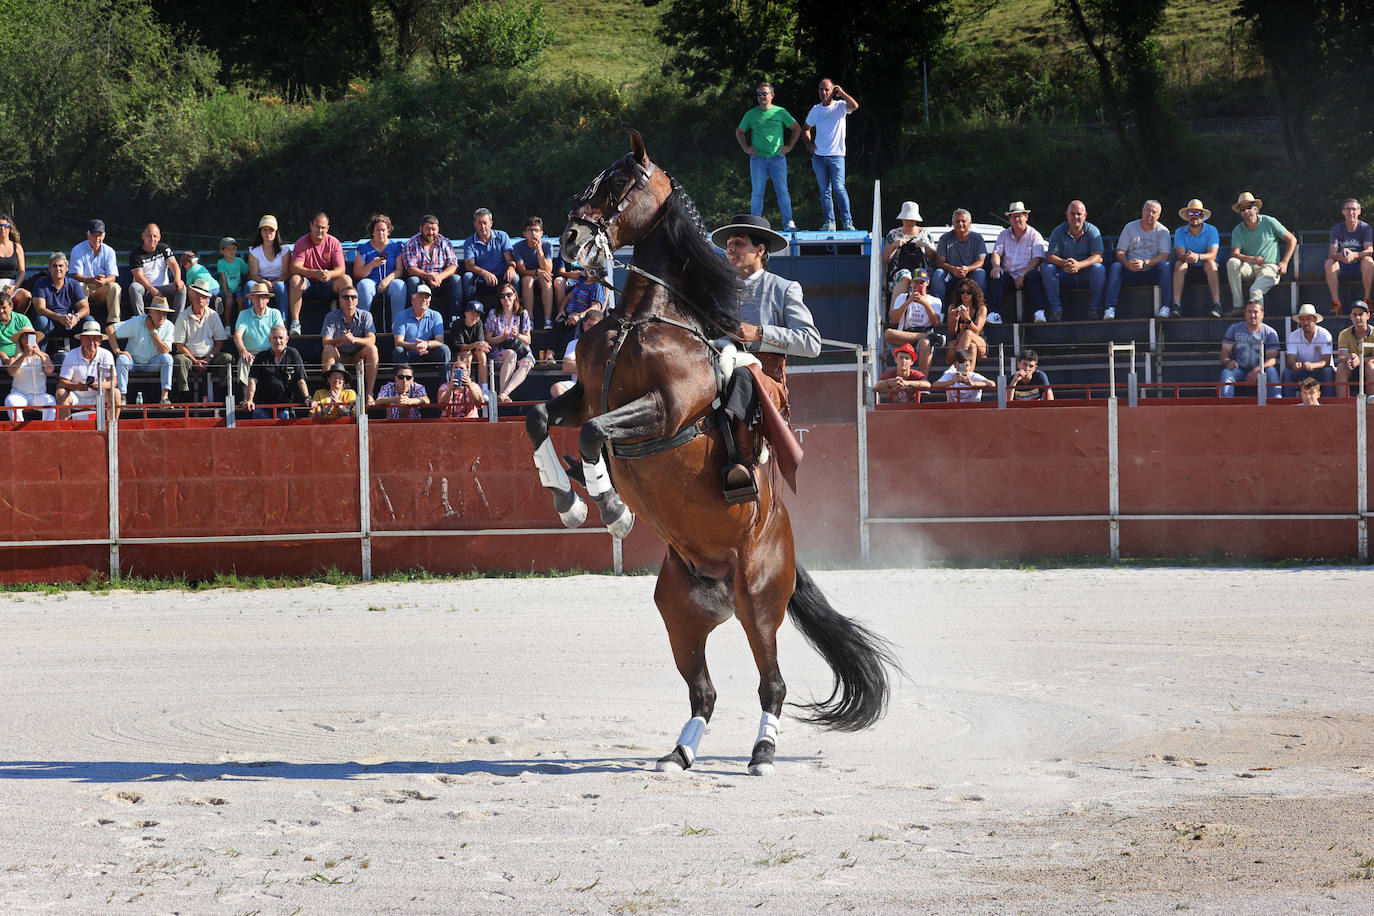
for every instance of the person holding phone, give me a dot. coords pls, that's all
(460, 396)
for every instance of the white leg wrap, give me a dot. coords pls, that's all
(597, 477)
(768, 729)
(551, 473)
(690, 739)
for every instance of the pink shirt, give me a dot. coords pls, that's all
(327, 255)
(1017, 254)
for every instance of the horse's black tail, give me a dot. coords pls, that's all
(859, 658)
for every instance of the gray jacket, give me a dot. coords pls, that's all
(775, 304)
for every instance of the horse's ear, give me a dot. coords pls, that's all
(637, 147)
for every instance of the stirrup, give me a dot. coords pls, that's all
(739, 484)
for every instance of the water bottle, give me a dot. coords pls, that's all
(139, 399)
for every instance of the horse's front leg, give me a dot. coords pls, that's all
(641, 417)
(558, 412)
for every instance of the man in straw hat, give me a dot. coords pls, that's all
(29, 369)
(198, 339)
(1016, 258)
(1255, 253)
(149, 346)
(1309, 353)
(1351, 256)
(87, 370)
(1195, 250)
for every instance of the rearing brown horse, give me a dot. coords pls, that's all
(647, 394)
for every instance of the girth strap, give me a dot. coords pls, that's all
(629, 450)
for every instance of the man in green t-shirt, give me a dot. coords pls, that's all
(1255, 253)
(11, 323)
(760, 136)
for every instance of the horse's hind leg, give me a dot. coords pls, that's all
(691, 608)
(640, 418)
(761, 594)
(557, 412)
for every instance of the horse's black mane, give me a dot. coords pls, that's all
(708, 281)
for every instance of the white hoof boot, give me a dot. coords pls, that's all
(576, 514)
(761, 769)
(620, 528)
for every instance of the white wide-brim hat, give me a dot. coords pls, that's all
(910, 210)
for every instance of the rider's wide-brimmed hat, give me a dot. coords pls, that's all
(756, 227)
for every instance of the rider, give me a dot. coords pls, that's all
(774, 320)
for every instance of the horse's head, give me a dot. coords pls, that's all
(618, 208)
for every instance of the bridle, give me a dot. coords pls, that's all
(601, 226)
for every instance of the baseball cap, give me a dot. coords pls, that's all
(97, 225)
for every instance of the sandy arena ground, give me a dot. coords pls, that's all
(1114, 741)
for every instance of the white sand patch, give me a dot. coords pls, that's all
(1067, 740)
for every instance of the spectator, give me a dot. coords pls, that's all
(906, 249)
(533, 259)
(1073, 260)
(95, 266)
(404, 393)
(1350, 351)
(1142, 257)
(488, 260)
(1255, 249)
(825, 138)
(1250, 350)
(11, 323)
(155, 272)
(12, 263)
(419, 334)
(1029, 382)
(466, 333)
(59, 304)
(253, 329)
(192, 270)
(1351, 256)
(759, 134)
(267, 262)
(349, 335)
(378, 265)
(198, 340)
(587, 292)
(1196, 243)
(150, 336)
(509, 333)
(430, 258)
(317, 268)
(30, 368)
(337, 398)
(278, 377)
(964, 322)
(1016, 258)
(904, 384)
(1310, 393)
(959, 254)
(87, 371)
(1309, 351)
(960, 383)
(231, 271)
(916, 320)
(589, 320)
(459, 396)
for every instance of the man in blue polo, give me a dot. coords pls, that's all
(488, 258)
(59, 304)
(1073, 260)
(759, 134)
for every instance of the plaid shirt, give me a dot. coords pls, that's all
(389, 391)
(440, 258)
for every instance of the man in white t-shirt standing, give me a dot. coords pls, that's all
(825, 135)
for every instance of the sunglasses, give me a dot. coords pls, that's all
(349, 297)
(508, 295)
(1194, 212)
(1247, 207)
(405, 377)
(4, 225)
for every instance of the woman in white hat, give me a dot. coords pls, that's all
(267, 259)
(30, 368)
(906, 249)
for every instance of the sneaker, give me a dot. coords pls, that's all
(1216, 309)
(1056, 315)
(1109, 314)
(1039, 316)
(828, 226)
(848, 227)
(791, 226)
(1164, 312)
(295, 329)
(1336, 307)
(548, 324)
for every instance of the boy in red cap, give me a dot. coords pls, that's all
(904, 384)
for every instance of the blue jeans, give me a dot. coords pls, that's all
(830, 176)
(1033, 287)
(1162, 274)
(454, 290)
(1092, 278)
(44, 325)
(1231, 377)
(941, 281)
(761, 171)
(1326, 375)
(394, 297)
(162, 365)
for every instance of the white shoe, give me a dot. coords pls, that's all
(1109, 314)
(791, 226)
(1163, 312)
(1040, 316)
(295, 329)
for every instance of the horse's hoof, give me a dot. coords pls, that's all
(675, 762)
(761, 761)
(620, 528)
(760, 769)
(576, 514)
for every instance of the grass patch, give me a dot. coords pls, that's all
(233, 581)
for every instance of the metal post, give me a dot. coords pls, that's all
(112, 473)
(861, 450)
(1113, 482)
(364, 486)
(617, 555)
(877, 308)
(1362, 459)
